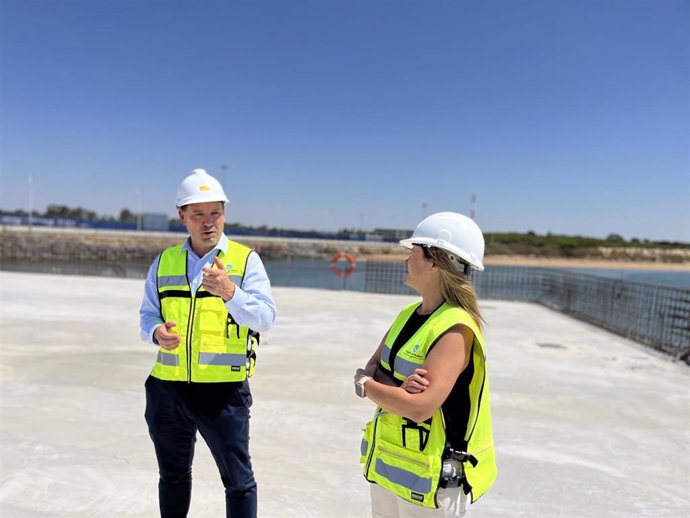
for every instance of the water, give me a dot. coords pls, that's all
(305, 273)
(673, 279)
(612, 305)
(313, 273)
(316, 273)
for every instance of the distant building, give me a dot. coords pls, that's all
(154, 221)
(390, 234)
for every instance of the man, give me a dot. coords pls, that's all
(205, 303)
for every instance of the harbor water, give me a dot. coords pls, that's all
(317, 273)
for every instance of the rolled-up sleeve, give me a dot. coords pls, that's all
(150, 310)
(252, 304)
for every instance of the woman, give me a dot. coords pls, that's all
(428, 451)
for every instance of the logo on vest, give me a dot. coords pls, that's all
(413, 353)
(416, 496)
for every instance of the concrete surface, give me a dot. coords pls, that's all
(586, 423)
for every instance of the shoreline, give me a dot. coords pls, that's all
(20, 244)
(556, 262)
(563, 262)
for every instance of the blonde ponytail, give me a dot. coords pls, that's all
(456, 288)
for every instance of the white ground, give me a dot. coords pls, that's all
(589, 424)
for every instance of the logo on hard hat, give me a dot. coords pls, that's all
(204, 188)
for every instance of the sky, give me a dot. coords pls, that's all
(562, 116)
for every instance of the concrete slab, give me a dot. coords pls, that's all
(586, 423)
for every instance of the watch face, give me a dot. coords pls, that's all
(359, 389)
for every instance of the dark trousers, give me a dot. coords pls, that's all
(220, 412)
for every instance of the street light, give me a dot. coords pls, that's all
(31, 201)
(224, 168)
(138, 193)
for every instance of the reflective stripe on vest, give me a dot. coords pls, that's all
(406, 457)
(166, 281)
(222, 359)
(404, 478)
(213, 347)
(168, 359)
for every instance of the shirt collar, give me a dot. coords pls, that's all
(222, 245)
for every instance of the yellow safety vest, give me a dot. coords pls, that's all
(406, 457)
(213, 347)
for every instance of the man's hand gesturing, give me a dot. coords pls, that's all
(165, 338)
(216, 280)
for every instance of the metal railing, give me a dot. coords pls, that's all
(656, 316)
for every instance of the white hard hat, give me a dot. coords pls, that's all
(458, 235)
(199, 187)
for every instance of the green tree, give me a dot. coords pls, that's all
(126, 216)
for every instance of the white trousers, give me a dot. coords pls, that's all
(384, 504)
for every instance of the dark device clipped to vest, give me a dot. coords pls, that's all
(253, 336)
(453, 472)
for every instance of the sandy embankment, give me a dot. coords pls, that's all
(19, 243)
(555, 262)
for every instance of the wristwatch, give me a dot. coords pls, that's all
(359, 385)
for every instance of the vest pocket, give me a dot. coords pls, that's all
(367, 441)
(415, 436)
(396, 454)
(232, 328)
(412, 475)
(211, 328)
(211, 320)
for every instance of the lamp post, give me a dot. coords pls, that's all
(31, 201)
(224, 168)
(138, 193)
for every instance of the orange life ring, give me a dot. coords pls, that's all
(350, 264)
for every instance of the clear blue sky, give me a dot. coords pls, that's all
(563, 116)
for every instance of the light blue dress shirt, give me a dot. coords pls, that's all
(252, 304)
